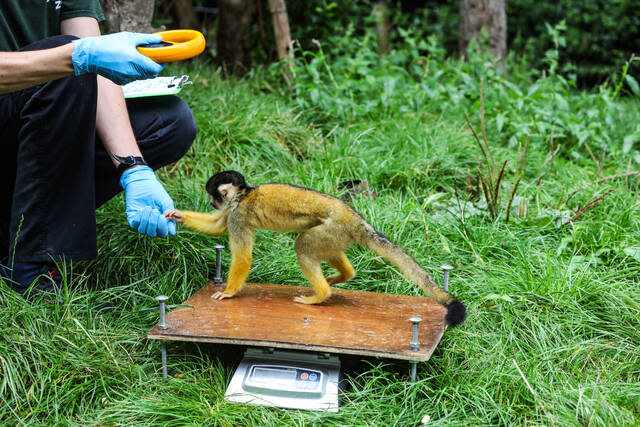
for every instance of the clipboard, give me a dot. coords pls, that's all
(158, 86)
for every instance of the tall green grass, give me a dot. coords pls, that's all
(552, 336)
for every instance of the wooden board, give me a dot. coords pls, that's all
(349, 322)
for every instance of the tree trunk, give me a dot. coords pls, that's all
(281, 28)
(383, 27)
(234, 37)
(128, 15)
(185, 16)
(284, 46)
(475, 15)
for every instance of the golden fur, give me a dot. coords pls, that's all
(327, 228)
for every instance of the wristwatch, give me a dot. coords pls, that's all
(128, 162)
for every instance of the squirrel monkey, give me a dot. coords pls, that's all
(327, 228)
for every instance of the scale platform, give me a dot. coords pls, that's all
(290, 361)
(349, 322)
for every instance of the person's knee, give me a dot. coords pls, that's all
(185, 128)
(164, 128)
(187, 125)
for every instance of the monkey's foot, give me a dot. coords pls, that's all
(335, 279)
(314, 299)
(221, 295)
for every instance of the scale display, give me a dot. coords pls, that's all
(286, 379)
(283, 380)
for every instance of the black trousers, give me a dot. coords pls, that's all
(55, 171)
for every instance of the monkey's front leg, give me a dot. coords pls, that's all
(214, 224)
(241, 244)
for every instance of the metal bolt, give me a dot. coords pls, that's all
(164, 359)
(414, 370)
(414, 345)
(446, 269)
(163, 321)
(305, 320)
(218, 279)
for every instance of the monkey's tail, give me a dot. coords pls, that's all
(380, 244)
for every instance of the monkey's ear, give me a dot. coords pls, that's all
(227, 190)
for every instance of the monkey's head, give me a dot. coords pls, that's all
(224, 186)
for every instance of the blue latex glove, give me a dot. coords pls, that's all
(115, 57)
(147, 201)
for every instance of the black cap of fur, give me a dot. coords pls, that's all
(225, 177)
(456, 313)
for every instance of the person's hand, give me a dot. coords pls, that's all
(147, 201)
(115, 57)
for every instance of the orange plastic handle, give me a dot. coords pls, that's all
(184, 44)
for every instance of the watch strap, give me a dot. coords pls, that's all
(126, 162)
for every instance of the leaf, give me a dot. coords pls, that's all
(500, 121)
(314, 95)
(563, 244)
(433, 198)
(628, 142)
(533, 89)
(633, 252)
(576, 262)
(496, 297)
(633, 84)
(445, 243)
(562, 102)
(538, 222)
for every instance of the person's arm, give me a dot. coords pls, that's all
(20, 70)
(145, 197)
(114, 56)
(112, 119)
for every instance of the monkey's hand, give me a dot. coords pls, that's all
(221, 295)
(175, 215)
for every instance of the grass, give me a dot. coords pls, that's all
(552, 336)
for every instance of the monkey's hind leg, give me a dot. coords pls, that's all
(325, 241)
(345, 270)
(313, 272)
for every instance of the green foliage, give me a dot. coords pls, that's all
(601, 35)
(416, 77)
(552, 334)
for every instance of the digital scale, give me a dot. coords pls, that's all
(292, 363)
(286, 379)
